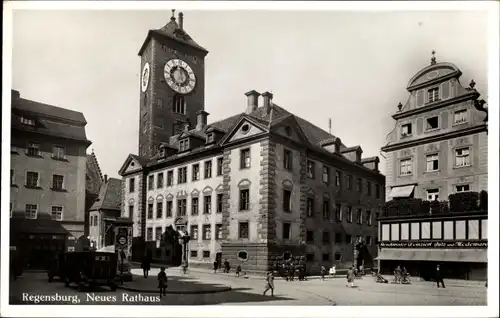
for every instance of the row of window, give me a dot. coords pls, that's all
(433, 194)
(326, 237)
(245, 163)
(33, 180)
(462, 159)
(311, 168)
(31, 210)
(206, 232)
(361, 216)
(181, 175)
(432, 123)
(436, 230)
(181, 207)
(33, 150)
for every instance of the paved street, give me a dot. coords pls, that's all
(249, 292)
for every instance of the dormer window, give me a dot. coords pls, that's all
(433, 94)
(179, 105)
(405, 130)
(210, 137)
(27, 121)
(162, 152)
(184, 145)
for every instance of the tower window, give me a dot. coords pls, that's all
(433, 94)
(179, 105)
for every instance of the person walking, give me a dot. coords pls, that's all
(269, 283)
(439, 277)
(323, 272)
(146, 264)
(350, 277)
(162, 282)
(397, 274)
(238, 270)
(216, 264)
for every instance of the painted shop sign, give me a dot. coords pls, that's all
(436, 244)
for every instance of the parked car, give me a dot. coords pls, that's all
(89, 269)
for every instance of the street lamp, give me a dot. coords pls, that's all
(183, 240)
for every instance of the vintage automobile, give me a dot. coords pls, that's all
(89, 269)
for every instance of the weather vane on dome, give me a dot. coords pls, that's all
(173, 15)
(433, 59)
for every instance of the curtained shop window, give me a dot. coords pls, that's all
(385, 232)
(415, 231)
(484, 229)
(436, 231)
(405, 231)
(426, 230)
(460, 230)
(473, 229)
(448, 230)
(395, 232)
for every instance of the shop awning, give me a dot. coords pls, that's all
(445, 255)
(402, 192)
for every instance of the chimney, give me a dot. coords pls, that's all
(181, 20)
(253, 101)
(201, 120)
(268, 97)
(105, 178)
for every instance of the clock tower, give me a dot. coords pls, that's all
(172, 84)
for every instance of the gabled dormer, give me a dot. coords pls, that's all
(166, 150)
(332, 145)
(214, 135)
(190, 139)
(371, 163)
(353, 153)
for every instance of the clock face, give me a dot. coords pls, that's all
(179, 76)
(145, 77)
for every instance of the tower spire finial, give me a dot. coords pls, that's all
(173, 15)
(433, 59)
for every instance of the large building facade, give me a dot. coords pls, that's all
(263, 181)
(437, 154)
(439, 145)
(47, 176)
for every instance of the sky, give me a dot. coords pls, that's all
(352, 67)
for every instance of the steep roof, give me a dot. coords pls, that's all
(109, 196)
(93, 179)
(172, 31)
(48, 120)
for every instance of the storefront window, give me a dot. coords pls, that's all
(448, 230)
(395, 232)
(426, 230)
(473, 229)
(385, 232)
(460, 230)
(436, 231)
(484, 229)
(405, 231)
(415, 231)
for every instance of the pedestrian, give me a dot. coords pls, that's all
(332, 271)
(146, 265)
(397, 274)
(226, 266)
(184, 267)
(162, 282)
(350, 277)
(439, 277)
(269, 283)
(323, 272)
(216, 264)
(238, 270)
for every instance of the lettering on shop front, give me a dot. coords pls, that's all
(436, 244)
